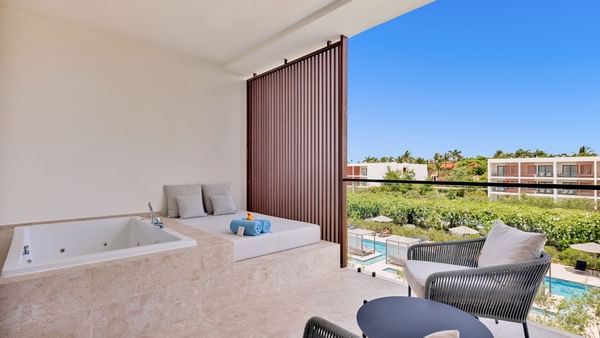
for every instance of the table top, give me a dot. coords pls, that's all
(408, 317)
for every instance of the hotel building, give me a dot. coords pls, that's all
(553, 170)
(378, 171)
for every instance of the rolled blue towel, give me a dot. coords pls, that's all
(251, 228)
(266, 225)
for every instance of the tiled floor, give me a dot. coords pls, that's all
(336, 297)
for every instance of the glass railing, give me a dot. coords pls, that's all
(386, 218)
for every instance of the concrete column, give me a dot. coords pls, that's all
(519, 177)
(596, 182)
(554, 178)
(489, 170)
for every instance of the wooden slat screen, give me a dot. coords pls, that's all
(297, 142)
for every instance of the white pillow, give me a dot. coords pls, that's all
(209, 190)
(190, 206)
(506, 245)
(223, 205)
(172, 191)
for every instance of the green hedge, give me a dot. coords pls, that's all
(562, 226)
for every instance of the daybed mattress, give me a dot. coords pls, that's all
(285, 234)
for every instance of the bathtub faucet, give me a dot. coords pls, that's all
(155, 220)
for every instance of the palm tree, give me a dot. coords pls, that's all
(521, 153)
(370, 159)
(405, 158)
(438, 160)
(456, 155)
(586, 151)
(447, 156)
(500, 154)
(540, 153)
(420, 160)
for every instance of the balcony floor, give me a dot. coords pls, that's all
(336, 297)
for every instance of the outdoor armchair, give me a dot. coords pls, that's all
(501, 292)
(317, 327)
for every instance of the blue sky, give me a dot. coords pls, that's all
(477, 76)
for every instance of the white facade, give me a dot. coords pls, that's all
(377, 171)
(552, 170)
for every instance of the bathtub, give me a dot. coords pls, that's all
(44, 247)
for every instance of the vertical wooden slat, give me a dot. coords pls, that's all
(296, 142)
(342, 149)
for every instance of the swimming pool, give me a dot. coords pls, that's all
(566, 288)
(391, 270)
(379, 248)
(560, 287)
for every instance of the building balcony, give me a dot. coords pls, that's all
(569, 192)
(503, 174)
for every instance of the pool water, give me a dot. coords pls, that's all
(566, 288)
(379, 248)
(560, 287)
(391, 270)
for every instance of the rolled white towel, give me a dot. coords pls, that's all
(444, 334)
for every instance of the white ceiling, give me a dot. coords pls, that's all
(243, 36)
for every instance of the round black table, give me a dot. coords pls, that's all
(406, 317)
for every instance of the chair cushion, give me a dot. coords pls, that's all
(507, 245)
(416, 273)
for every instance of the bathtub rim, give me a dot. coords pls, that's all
(12, 268)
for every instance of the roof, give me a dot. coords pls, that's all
(591, 247)
(361, 232)
(448, 165)
(402, 239)
(375, 164)
(381, 219)
(544, 159)
(463, 230)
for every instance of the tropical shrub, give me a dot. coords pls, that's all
(562, 226)
(571, 256)
(579, 314)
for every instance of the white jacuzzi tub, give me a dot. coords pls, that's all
(60, 245)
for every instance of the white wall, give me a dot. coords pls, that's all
(94, 124)
(378, 170)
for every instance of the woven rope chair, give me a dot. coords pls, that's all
(501, 292)
(317, 327)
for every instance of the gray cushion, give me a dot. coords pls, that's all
(416, 273)
(190, 206)
(507, 245)
(209, 190)
(223, 205)
(172, 191)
